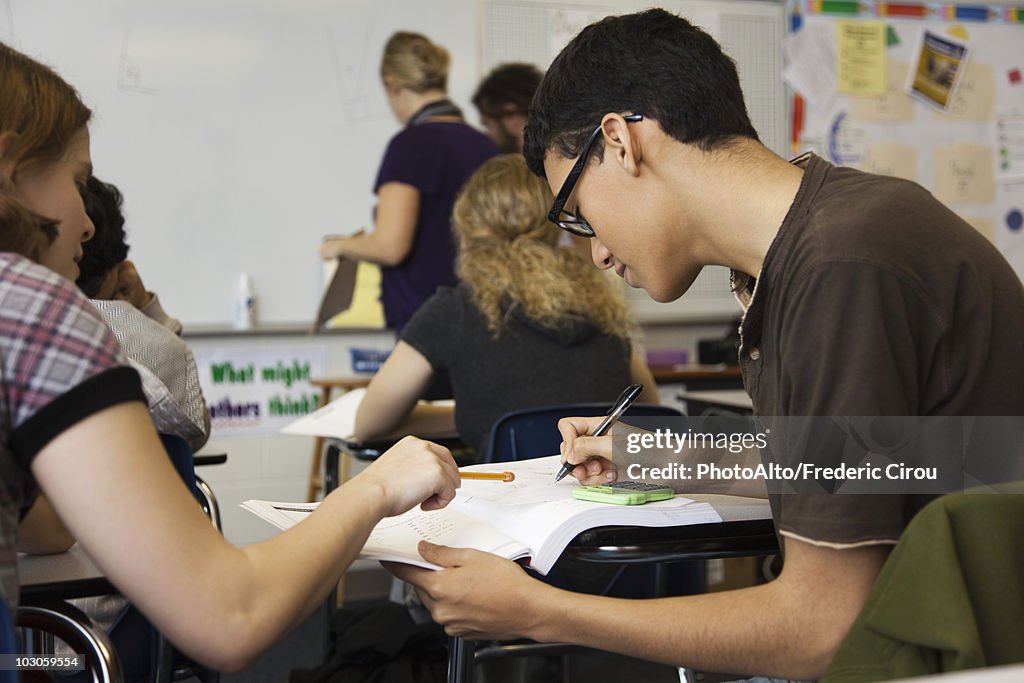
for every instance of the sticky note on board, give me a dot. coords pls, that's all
(893, 105)
(963, 174)
(974, 98)
(861, 57)
(891, 159)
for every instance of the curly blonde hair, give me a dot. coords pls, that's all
(510, 258)
(411, 61)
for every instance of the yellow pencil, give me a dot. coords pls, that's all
(496, 476)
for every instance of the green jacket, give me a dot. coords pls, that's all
(950, 596)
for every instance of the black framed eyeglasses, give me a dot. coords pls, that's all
(567, 220)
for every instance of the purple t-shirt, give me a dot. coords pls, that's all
(437, 159)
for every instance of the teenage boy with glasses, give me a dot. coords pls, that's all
(863, 295)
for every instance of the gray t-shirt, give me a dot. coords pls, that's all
(168, 370)
(527, 366)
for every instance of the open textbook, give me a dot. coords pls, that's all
(530, 517)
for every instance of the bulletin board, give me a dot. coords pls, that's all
(959, 132)
(750, 32)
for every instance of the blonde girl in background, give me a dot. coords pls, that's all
(529, 324)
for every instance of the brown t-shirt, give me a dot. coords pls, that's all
(875, 299)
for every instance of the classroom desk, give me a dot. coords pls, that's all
(336, 465)
(699, 376)
(63, 576)
(694, 376)
(729, 402)
(327, 386)
(746, 529)
(690, 373)
(46, 582)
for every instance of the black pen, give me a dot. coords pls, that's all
(622, 403)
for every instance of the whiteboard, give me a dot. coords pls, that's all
(750, 32)
(240, 131)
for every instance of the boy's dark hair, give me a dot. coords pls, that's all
(507, 84)
(22, 231)
(108, 247)
(652, 63)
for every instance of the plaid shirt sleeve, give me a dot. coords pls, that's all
(52, 341)
(58, 364)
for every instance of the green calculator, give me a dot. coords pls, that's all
(623, 493)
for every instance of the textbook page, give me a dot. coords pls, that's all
(395, 539)
(543, 515)
(532, 516)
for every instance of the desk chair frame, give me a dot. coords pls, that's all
(628, 545)
(317, 475)
(42, 623)
(209, 503)
(170, 664)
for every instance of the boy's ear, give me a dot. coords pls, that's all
(624, 147)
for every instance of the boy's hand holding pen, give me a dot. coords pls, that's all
(584, 453)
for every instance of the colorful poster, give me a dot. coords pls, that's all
(258, 392)
(939, 65)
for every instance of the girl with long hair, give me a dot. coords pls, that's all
(530, 324)
(74, 425)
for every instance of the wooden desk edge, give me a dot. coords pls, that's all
(346, 383)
